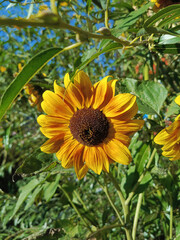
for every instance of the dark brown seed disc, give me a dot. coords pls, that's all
(89, 126)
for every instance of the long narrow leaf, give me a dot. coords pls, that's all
(110, 47)
(27, 73)
(162, 14)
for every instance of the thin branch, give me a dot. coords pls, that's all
(138, 207)
(171, 218)
(75, 208)
(51, 20)
(106, 14)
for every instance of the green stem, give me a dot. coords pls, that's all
(80, 199)
(125, 207)
(137, 215)
(171, 218)
(140, 178)
(75, 208)
(53, 7)
(106, 14)
(121, 197)
(111, 202)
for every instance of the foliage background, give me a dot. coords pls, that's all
(39, 199)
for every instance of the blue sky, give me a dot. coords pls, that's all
(12, 11)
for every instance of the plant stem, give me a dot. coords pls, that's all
(111, 202)
(106, 14)
(140, 197)
(125, 208)
(53, 7)
(171, 218)
(121, 197)
(57, 23)
(80, 199)
(75, 208)
(140, 178)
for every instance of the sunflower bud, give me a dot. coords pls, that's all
(104, 31)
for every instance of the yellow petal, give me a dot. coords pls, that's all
(177, 118)
(75, 95)
(83, 83)
(122, 138)
(52, 145)
(67, 80)
(123, 106)
(93, 159)
(162, 137)
(110, 92)
(177, 152)
(127, 127)
(177, 100)
(46, 120)
(53, 105)
(173, 127)
(117, 151)
(79, 165)
(169, 143)
(54, 130)
(65, 154)
(100, 92)
(60, 91)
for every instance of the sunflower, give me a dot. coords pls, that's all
(87, 125)
(35, 95)
(163, 3)
(170, 138)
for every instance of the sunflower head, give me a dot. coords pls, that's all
(35, 95)
(87, 125)
(170, 138)
(159, 4)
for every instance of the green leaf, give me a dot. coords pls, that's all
(167, 48)
(30, 69)
(92, 55)
(37, 161)
(141, 157)
(157, 30)
(151, 95)
(173, 109)
(150, 218)
(25, 191)
(173, 18)
(50, 188)
(168, 39)
(131, 179)
(162, 14)
(103, 3)
(132, 17)
(33, 197)
(144, 183)
(123, 5)
(6, 138)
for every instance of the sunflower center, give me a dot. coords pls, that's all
(89, 126)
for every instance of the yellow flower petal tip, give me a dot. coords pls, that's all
(177, 100)
(87, 125)
(170, 139)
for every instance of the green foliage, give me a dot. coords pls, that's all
(38, 198)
